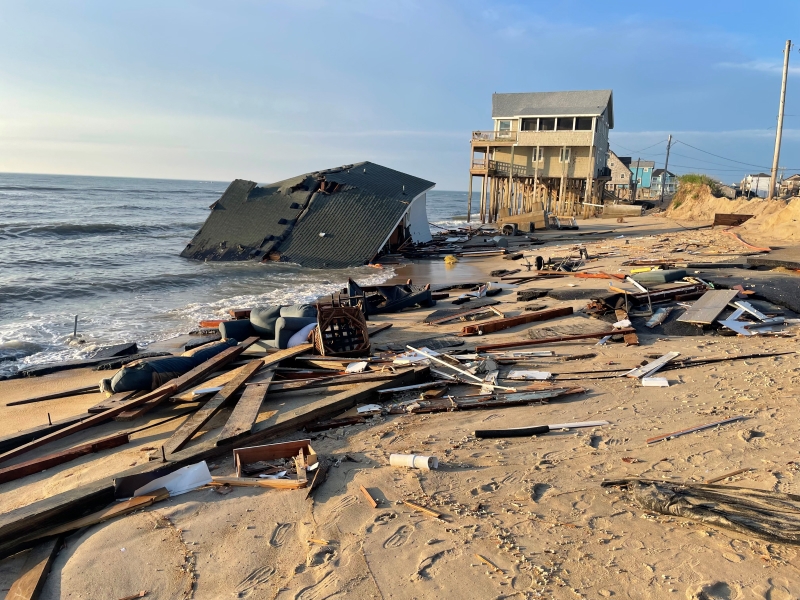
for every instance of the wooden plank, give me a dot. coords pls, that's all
(674, 434)
(729, 219)
(245, 412)
(34, 572)
(189, 379)
(652, 367)
(57, 458)
(705, 310)
(181, 436)
(68, 504)
(372, 331)
(163, 391)
(289, 386)
(373, 503)
(166, 390)
(275, 484)
(113, 401)
(15, 440)
(92, 389)
(252, 454)
(553, 340)
(500, 324)
(422, 509)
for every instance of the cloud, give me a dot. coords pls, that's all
(763, 66)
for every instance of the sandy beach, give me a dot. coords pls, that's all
(520, 517)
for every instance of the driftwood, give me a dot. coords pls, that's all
(770, 516)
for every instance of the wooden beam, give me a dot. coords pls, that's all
(34, 572)
(372, 502)
(166, 390)
(275, 484)
(187, 380)
(113, 401)
(57, 458)
(553, 340)
(193, 424)
(92, 389)
(68, 504)
(245, 412)
(500, 324)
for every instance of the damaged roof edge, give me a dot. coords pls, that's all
(400, 220)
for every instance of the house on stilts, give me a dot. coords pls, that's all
(545, 155)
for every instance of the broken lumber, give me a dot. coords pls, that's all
(57, 458)
(59, 507)
(706, 310)
(652, 367)
(34, 572)
(500, 324)
(674, 434)
(245, 413)
(193, 424)
(262, 482)
(552, 340)
(368, 496)
(92, 389)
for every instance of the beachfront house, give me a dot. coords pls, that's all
(669, 181)
(336, 218)
(545, 152)
(755, 185)
(621, 174)
(642, 177)
(790, 186)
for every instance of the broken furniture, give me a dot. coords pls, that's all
(273, 324)
(256, 459)
(341, 330)
(562, 222)
(391, 298)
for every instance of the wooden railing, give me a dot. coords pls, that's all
(494, 136)
(503, 167)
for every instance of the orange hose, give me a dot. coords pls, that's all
(738, 238)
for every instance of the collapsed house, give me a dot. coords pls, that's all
(338, 218)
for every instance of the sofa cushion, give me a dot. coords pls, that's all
(306, 311)
(263, 320)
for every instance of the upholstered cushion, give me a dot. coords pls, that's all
(263, 320)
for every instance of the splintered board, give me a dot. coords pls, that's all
(705, 310)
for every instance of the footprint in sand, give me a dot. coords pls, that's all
(279, 534)
(521, 582)
(398, 538)
(253, 580)
(327, 587)
(345, 502)
(425, 564)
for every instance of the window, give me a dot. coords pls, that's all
(583, 123)
(564, 156)
(529, 124)
(547, 124)
(622, 175)
(639, 181)
(566, 123)
(504, 126)
(538, 154)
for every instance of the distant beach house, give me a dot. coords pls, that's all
(755, 185)
(546, 151)
(642, 176)
(790, 186)
(668, 181)
(337, 218)
(621, 174)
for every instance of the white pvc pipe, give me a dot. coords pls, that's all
(415, 461)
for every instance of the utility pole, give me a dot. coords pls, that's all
(773, 179)
(666, 166)
(635, 182)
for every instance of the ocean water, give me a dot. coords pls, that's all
(106, 249)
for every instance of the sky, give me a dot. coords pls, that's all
(266, 90)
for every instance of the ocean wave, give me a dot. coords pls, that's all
(87, 229)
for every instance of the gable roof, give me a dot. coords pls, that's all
(356, 206)
(590, 103)
(642, 164)
(658, 172)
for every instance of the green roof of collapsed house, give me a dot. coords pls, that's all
(336, 218)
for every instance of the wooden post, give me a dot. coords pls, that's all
(469, 190)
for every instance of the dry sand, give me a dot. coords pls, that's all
(532, 506)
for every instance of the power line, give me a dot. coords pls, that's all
(706, 161)
(637, 151)
(705, 168)
(722, 157)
